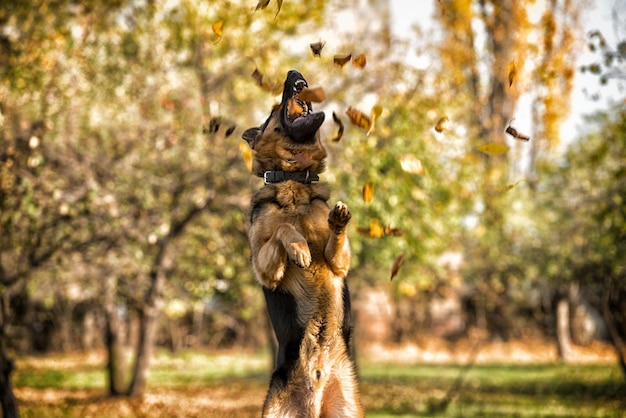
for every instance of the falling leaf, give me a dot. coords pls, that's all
(315, 95)
(276, 87)
(375, 229)
(368, 192)
(258, 77)
(338, 121)
(412, 165)
(317, 47)
(493, 148)
(511, 186)
(230, 130)
(442, 124)
(214, 125)
(359, 119)
(394, 232)
(342, 60)
(262, 4)
(512, 72)
(218, 29)
(377, 110)
(396, 266)
(359, 61)
(246, 153)
(517, 135)
(279, 6)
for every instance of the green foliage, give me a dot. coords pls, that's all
(584, 195)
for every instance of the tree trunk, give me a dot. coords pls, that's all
(7, 399)
(609, 319)
(148, 321)
(116, 364)
(563, 340)
(153, 302)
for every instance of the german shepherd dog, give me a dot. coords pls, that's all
(301, 256)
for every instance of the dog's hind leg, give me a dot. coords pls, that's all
(286, 244)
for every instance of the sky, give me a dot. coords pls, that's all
(598, 15)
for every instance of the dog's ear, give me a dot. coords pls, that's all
(251, 135)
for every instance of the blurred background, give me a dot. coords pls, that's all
(487, 188)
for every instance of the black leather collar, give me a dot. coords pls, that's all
(305, 177)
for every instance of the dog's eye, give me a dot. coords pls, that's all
(277, 129)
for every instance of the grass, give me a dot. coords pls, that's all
(199, 384)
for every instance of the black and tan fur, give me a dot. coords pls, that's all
(301, 256)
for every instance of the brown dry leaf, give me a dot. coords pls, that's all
(214, 125)
(230, 130)
(218, 29)
(394, 232)
(315, 95)
(396, 266)
(341, 60)
(368, 192)
(359, 61)
(262, 4)
(275, 88)
(442, 124)
(279, 4)
(359, 119)
(511, 186)
(517, 135)
(338, 121)
(317, 47)
(258, 77)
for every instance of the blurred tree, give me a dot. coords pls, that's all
(487, 53)
(585, 244)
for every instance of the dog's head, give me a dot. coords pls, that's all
(289, 139)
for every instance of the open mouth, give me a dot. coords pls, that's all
(300, 122)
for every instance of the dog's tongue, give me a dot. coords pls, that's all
(303, 159)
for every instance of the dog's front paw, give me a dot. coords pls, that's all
(299, 254)
(339, 217)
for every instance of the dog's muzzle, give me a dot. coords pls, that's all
(298, 119)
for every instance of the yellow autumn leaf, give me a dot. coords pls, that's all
(377, 110)
(493, 148)
(376, 229)
(218, 29)
(246, 153)
(512, 73)
(368, 192)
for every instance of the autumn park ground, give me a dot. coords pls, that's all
(432, 378)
